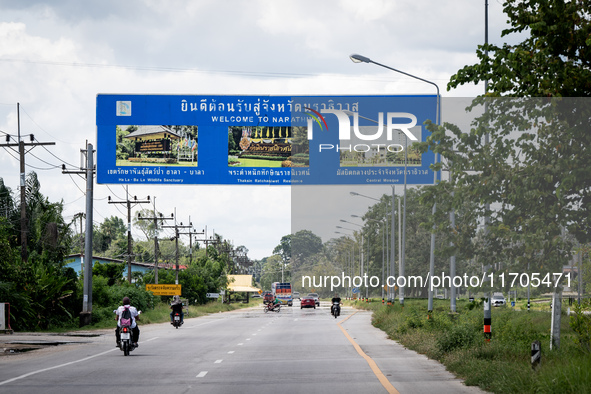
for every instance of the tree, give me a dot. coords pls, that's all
(533, 170)
(284, 248)
(553, 61)
(304, 244)
(111, 229)
(39, 289)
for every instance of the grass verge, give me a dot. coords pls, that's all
(501, 365)
(161, 313)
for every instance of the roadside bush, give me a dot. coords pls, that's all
(460, 336)
(581, 325)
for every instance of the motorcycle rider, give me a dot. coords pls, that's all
(335, 299)
(177, 307)
(135, 331)
(274, 303)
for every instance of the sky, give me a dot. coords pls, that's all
(56, 56)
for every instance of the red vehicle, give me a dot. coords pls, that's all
(308, 302)
(267, 297)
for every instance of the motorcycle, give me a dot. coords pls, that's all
(336, 309)
(176, 320)
(125, 343)
(272, 308)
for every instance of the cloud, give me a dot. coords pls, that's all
(55, 57)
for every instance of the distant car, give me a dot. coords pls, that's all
(497, 299)
(308, 302)
(267, 297)
(256, 295)
(295, 295)
(316, 299)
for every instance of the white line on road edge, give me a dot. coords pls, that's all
(55, 367)
(64, 365)
(85, 359)
(202, 374)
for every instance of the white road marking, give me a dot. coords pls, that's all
(202, 374)
(231, 351)
(248, 339)
(218, 361)
(55, 367)
(240, 344)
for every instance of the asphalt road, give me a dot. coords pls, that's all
(245, 351)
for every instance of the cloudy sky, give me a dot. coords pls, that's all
(56, 56)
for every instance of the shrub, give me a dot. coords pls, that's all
(286, 163)
(581, 325)
(457, 337)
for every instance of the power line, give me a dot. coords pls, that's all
(21, 149)
(128, 203)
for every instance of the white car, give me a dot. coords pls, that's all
(497, 299)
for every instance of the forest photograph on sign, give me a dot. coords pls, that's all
(271, 140)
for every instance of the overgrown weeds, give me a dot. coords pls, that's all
(502, 365)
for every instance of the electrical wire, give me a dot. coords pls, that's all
(41, 128)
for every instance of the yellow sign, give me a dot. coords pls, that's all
(163, 290)
(260, 291)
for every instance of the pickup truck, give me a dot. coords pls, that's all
(498, 299)
(267, 297)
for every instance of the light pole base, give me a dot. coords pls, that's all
(85, 318)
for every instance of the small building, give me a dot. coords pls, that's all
(76, 262)
(241, 284)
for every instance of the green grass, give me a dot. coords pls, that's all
(161, 313)
(501, 365)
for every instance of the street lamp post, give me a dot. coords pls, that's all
(350, 258)
(361, 266)
(362, 59)
(383, 248)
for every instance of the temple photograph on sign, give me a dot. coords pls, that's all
(157, 145)
(267, 146)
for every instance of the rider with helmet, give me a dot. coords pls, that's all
(336, 301)
(177, 307)
(135, 331)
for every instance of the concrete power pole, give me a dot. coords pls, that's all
(129, 246)
(86, 314)
(176, 238)
(21, 151)
(155, 219)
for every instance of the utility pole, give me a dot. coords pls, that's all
(190, 234)
(176, 238)
(88, 154)
(21, 152)
(80, 215)
(155, 219)
(128, 202)
(207, 241)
